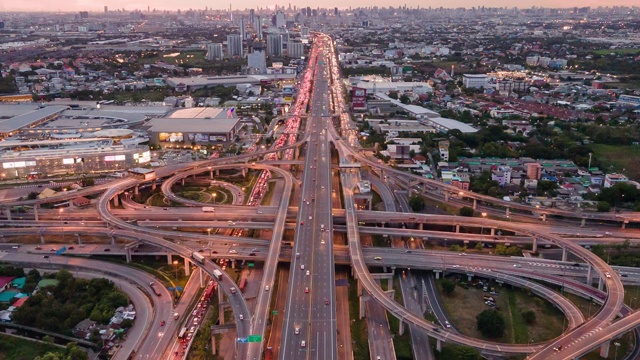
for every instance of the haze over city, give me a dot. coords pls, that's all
(91, 5)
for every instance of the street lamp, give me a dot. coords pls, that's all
(617, 344)
(175, 264)
(484, 216)
(209, 232)
(214, 198)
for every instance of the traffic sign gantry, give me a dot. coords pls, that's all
(255, 338)
(243, 340)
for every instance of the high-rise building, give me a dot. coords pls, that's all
(258, 27)
(280, 20)
(214, 51)
(304, 31)
(257, 61)
(534, 171)
(309, 11)
(274, 45)
(234, 45)
(295, 49)
(252, 16)
(84, 14)
(243, 33)
(106, 9)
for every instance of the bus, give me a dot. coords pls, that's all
(182, 333)
(207, 209)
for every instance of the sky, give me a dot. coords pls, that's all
(98, 5)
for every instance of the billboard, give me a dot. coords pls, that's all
(359, 98)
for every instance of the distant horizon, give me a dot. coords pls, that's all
(70, 6)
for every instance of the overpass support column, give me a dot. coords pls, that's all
(446, 196)
(457, 228)
(420, 226)
(35, 211)
(8, 213)
(213, 344)
(136, 190)
(187, 267)
(169, 259)
(128, 255)
(203, 278)
(153, 186)
(437, 274)
(390, 283)
(534, 247)
(469, 277)
(507, 212)
(589, 275)
(624, 224)
(116, 200)
(493, 231)
(217, 172)
(297, 152)
(359, 289)
(210, 174)
(41, 238)
(79, 240)
(544, 218)
(583, 222)
(475, 204)
(600, 283)
(113, 239)
(400, 327)
(220, 306)
(604, 349)
(361, 301)
(244, 172)
(182, 181)
(438, 345)
(564, 254)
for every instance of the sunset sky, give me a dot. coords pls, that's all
(98, 5)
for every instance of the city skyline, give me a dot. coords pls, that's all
(89, 5)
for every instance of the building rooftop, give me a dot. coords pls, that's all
(26, 119)
(190, 125)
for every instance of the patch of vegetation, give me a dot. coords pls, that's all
(359, 333)
(14, 348)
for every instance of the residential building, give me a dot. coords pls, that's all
(280, 20)
(534, 171)
(274, 45)
(257, 61)
(475, 81)
(443, 149)
(234, 45)
(612, 179)
(295, 49)
(214, 52)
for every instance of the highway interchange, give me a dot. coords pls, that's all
(310, 325)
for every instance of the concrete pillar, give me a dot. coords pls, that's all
(297, 152)
(8, 212)
(421, 226)
(35, 211)
(361, 301)
(438, 345)
(244, 172)
(182, 181)
(446, 196)
(389, 283)
(534, 248)
(359, 289)
(211, 174)
(220, 307)
(136, 190)
(128, 255)
(217, 172)
(604, 349)
(187, 267)
(203, 278)
(589, 275)
(113, 239)
(475, 204)
(41, 238)
(507, 212)
(437, 275)
(457, 228)
(213, 344)
(624, 224)
(544, 217)
(564, 254)
(233, 264)
(469, 277)
(400, 327)
(493, 231)
(116, 200)
(169, 259)
(600, 283)
(153, 186)
(583, 222)
(79, 240)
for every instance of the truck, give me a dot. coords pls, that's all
(208, 209)
(198, 257)
(218, 274)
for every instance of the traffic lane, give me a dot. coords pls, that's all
(380, 343)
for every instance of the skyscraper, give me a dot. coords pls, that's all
(274, 44)
(258, 27)
(280, 21)
(257, 61)
(234, 45)
(214, 51)
(243, 33)
(295, 50)
(252, 16)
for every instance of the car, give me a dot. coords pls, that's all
(608, 233)
(45, 257)
(107, 249)
(607, 274)
(192, 330)
(408, 251)
(71, 248)
(306, 290)
(302, 267)
(232, 252)
(15, 247)
(326, 301)
(462, 254)
(241, 317)
(162, 323)
(52, 249)
(266, 288)
(322, 187)
(322, 241)
(303, 343)
(308, 272)
(296, 331)
(377, 258)
(301, 222)
(194, 313)
(195, 321)
(38, 247)
(200, 250)
(446, 323)
(517, 265)
(165, 208)
(252, 254)
(310, 217)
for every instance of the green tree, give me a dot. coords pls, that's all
(459, 352)
(529, 316)
(32, 195)
(603, 206)
(478, 246)
(466, 211)
(417, 203)
(448, 286)
(491, 323)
